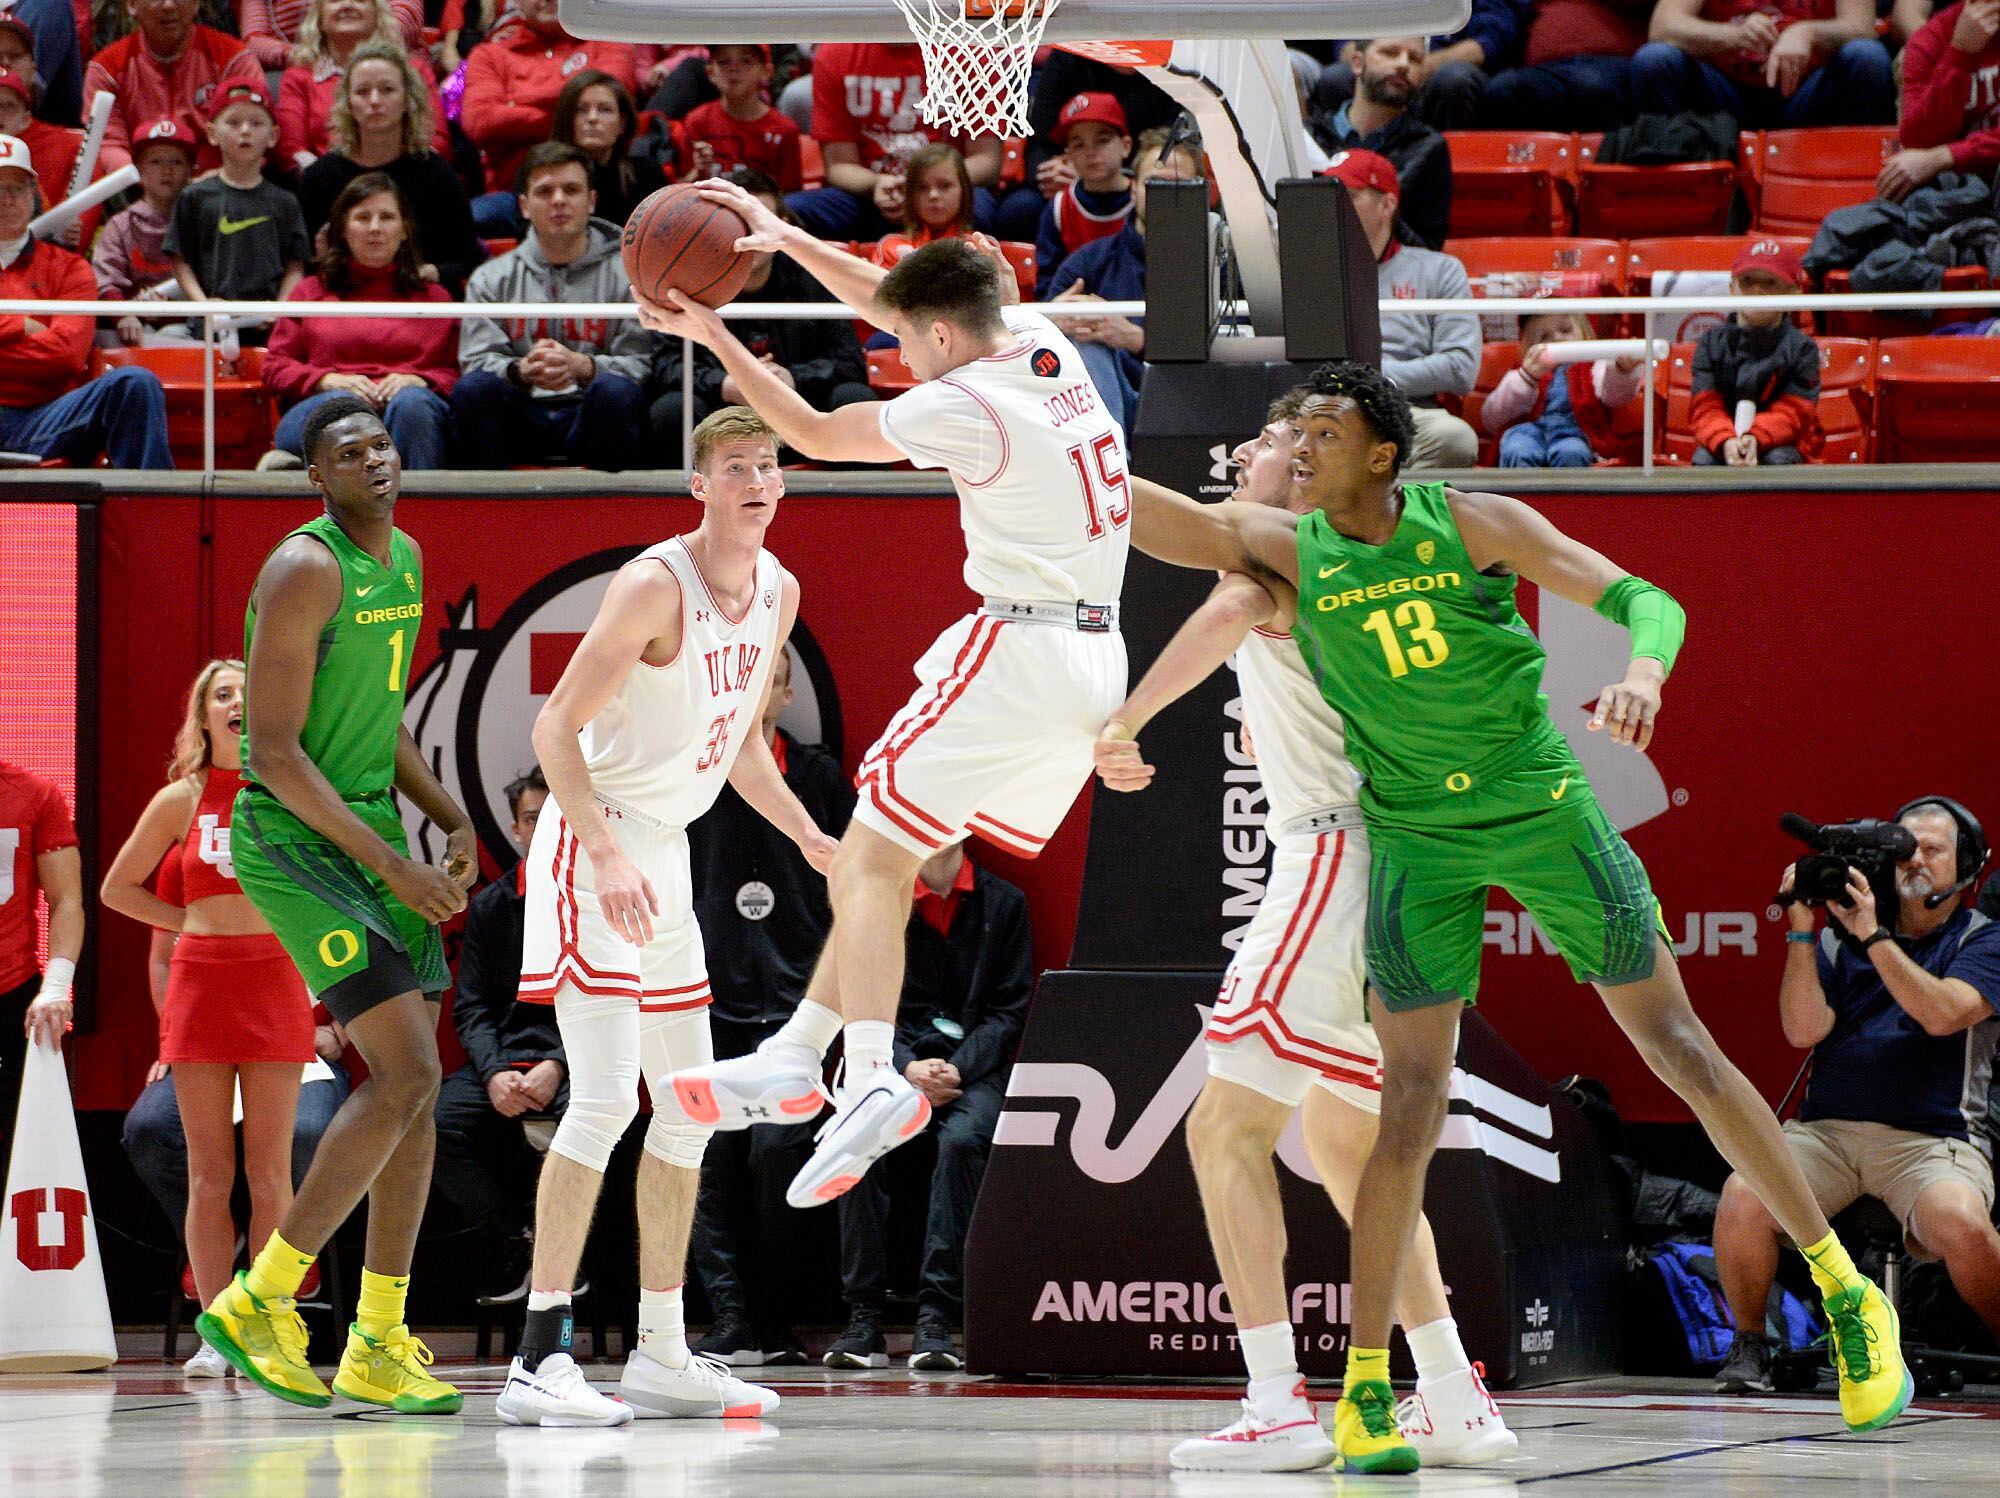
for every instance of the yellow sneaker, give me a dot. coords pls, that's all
(1866, 1346)
(390, 1373)
(1365, 1432)
(265, 1341)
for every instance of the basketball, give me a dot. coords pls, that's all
(677, 239)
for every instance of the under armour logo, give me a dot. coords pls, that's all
(1219, 462)
(701, 616)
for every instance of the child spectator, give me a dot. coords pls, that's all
(129, 259)
(236, 236)
(1097, 199)
(740, 128)
(938, 204)
(1550, 415)
(1763, 358)
(595, 114)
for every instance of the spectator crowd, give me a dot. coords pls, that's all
(316, 150)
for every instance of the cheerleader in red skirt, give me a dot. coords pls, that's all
(236, 1012)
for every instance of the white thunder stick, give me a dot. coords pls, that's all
(1746, 412)
(1589, 350)
(69, 210)
(93, 142)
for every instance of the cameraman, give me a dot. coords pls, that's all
(1902, 1028)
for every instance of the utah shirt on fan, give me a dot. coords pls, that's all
(867, 94)
(34, 819)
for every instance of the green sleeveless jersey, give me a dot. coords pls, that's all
(1430, 665)
(352, 725)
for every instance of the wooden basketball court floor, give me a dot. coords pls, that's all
(142, 1431)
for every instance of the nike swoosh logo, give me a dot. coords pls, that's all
(228, 225)
(1561, 786)
(364, 592)
(1329, 571)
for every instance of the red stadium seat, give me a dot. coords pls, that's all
(1844, 402)
(1937, 400)
(242, 404)
(888, 374)
(1495, 360)
(495, 248)
(812, 162)
(1021, 256)
(1898, 325)
(1510, 182)
(1013, 161)
(1616, 201)
(1575, 267)
(1805, 174)
(1687, 252)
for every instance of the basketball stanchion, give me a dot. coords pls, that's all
(55, 1316)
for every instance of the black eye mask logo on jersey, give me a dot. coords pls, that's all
(1045, 362)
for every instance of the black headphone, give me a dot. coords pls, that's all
(1972, 847)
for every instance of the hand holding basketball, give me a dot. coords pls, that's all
(766, 231)
(679, 317)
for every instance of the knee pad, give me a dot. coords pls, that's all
(591, 1128)
(677, 1141)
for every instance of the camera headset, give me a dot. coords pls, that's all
(1972, 848)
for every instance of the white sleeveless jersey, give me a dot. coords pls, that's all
(664, 744)
(1038, 463)
(1300, 742)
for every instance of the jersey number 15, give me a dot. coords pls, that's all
(1106, 495)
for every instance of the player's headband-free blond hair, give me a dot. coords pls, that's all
(730, 424)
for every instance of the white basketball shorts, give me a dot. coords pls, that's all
(567, 943)
(997, 739)
(1291, 1012)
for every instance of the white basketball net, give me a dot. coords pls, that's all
(976, 65)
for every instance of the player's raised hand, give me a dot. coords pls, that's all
(1120, 765)
(626, 897)
(1628, 708)
(431, 893)
(767, 230)
(987, 245)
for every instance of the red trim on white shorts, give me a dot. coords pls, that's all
(1010, 839)
(878, 771)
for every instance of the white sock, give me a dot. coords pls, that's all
(547, 1300)
(870, 1043)
(1271, 1357)
(662, 1332)
(1436, 1348)
(811, 1028)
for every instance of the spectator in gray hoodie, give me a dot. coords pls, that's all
(553, 389)
(1426, 356)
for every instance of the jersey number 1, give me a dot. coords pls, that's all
(1117, 494)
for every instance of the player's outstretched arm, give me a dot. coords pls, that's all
(755, 773)
(1210, 636)
(1228, 537)
(1499, 531)
(848, 277)
(642, 606)
(296, 594)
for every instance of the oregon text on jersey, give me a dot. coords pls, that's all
(1423, 582)
(384, 616)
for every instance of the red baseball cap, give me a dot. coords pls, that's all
(164, 131)
(11, 79)
(1772, 256)
(240, 92)
(1363, 169)
(1102, 109)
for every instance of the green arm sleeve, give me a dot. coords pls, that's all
(1657, 623)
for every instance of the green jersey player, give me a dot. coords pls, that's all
(1405, 613)
(319, 849)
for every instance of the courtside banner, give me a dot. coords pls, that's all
(1824, 672)
(1088, 1253)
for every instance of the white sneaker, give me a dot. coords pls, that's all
(1453, 1421)
(206, 1363)
(556, 1393)
(871, 1117)
(758, 1088)
(704, 1390)
(1289, 1440)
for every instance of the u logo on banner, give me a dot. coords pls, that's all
(27, 1208)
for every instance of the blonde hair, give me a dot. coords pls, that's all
(1286, 407)
(311, 44)
(730, 424)
(416, 97)
(193, 753)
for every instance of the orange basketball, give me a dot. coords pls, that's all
(678, 239)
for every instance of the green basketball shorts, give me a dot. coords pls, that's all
(1534, 828)
(355, 944)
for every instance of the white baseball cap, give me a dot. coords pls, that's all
(14, 153)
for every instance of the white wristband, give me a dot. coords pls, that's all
(56, 980)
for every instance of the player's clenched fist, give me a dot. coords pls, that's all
(1120, 765)
(1627, 708)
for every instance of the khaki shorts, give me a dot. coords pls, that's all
(1844, 1159)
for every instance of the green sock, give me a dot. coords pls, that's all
(1832, 1270)
(380, 1309)
(277, 1271)
(1366, 1365)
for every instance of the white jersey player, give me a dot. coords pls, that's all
(997, 739)
(657, 709)
(1290, 1028)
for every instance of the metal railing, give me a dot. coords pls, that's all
(1646, 308)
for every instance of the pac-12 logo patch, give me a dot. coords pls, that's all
(1045, 362)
